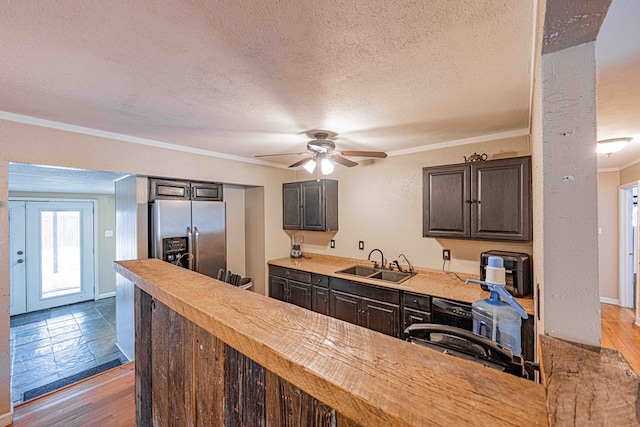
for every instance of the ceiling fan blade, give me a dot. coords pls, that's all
(300, 162)
(281, 154)
(378, 154)
(344, 162)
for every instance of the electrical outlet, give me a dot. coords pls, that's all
(361, 245)
(446, 255)
(333, 244)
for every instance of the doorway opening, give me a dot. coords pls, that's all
(628, 277)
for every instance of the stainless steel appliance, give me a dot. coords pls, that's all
(187, 226)
(451, 313)
(518, 271)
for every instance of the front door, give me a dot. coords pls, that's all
(59, 253)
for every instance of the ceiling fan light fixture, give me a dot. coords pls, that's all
(327, 166)
(610, 146)
(310, 165)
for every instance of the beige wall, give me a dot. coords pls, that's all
(234, 199)
(380, 202)
(608, 184)
(630, 174)
(106, 246)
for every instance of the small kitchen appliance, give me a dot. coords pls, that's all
(296, 245)
(517, 268)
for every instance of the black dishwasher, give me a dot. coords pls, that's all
(451, 313)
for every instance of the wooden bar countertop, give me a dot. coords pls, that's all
(370, 378)
(436, 283)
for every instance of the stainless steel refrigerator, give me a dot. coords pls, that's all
(189, 233)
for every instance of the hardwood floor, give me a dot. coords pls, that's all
(621, 333)
(107, 399)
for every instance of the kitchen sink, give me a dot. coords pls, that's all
(376, 273)
(359, 270)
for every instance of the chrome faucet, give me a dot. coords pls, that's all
(410, 266)
(375, 264)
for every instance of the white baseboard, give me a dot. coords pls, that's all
(106, 295)
(610, 300)
(638, 321)
(124, 353)
(7, 419)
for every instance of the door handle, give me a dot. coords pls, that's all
(196, 255)
(20, 261)
(189, 247)
(20, 252)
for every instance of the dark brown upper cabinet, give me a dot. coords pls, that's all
(310, 205)
(187, 190)
(488, 200)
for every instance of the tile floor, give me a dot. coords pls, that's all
(51, 344)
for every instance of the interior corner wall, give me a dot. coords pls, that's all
(234, 197)
(255, 258)
(569, 193)
(5, 354)
(608, 235)
(630, 174)
(537, 176)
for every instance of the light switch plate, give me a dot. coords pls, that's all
(361, 245)
(333, 244)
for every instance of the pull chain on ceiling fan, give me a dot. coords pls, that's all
(321, 150)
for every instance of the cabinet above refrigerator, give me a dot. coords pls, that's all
(164, 189)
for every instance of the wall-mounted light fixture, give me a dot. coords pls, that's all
(610, 146)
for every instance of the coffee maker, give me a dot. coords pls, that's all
(296, 242)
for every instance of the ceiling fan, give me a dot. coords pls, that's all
(322, 150)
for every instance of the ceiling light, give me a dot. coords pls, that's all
(310, 165)
(327, 166)
(610, 146)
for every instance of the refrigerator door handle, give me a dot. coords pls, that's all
(189, 248)
(196, 255)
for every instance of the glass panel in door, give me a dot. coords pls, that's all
(60, 238)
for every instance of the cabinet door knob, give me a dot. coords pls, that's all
(415, 301)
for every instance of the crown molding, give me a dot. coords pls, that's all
(458, 142)
(4, 115)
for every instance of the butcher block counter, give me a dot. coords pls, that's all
(209, 353)
(436, 283)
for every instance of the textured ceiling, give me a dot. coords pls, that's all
(251, 77)
(45, 179)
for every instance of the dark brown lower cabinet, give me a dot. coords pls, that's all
(374, 314)
(300, 294)
(381, 316)
(320, 300)
(411, 316)
(290, 291)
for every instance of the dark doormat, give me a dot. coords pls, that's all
(38, 391)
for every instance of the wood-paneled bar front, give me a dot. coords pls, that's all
(208, 353)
